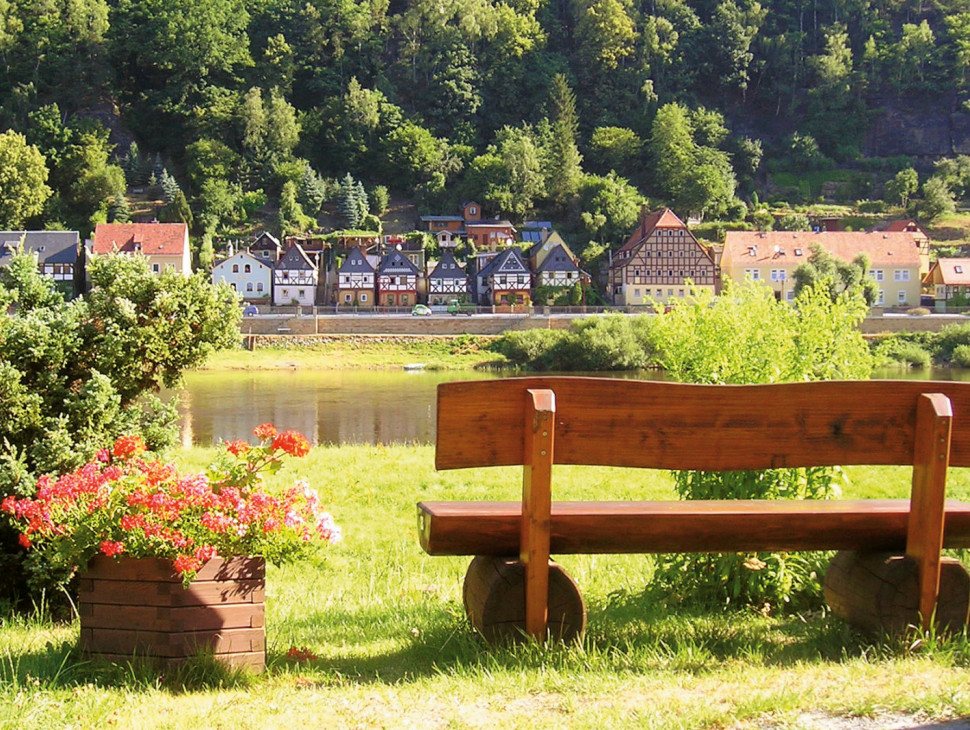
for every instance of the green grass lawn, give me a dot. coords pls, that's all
(393, 649)
(364, 353)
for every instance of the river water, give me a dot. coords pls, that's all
(346, 406)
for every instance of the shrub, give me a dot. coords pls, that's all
(918, 312)
(531, 349)
(948, 339)
(961, 356)
(897, 351)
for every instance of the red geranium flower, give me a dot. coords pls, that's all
(293, 443)
(265, 431)
(128, 446)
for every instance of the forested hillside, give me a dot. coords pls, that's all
(575, 110)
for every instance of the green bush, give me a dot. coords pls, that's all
(948, 339)
(898, 351)
(961, 356)
(530, 349)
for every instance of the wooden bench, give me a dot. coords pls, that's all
(541, 421)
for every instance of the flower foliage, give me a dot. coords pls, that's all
(124, 504)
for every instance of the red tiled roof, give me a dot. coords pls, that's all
(781, 248)
(948, 273)
(156, 239)
(665, 218)
(906, 225)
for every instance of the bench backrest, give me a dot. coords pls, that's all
(616, 422)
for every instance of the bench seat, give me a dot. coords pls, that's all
(493, 528)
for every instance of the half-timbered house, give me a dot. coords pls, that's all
(397, 281)
(447, 281)
(59, 256)
(356, 281)
(506, 279)
(558, 270)
(295, 279)
(658, 260)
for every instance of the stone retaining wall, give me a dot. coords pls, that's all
(438, 326)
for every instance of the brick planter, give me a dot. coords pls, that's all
(137, 607)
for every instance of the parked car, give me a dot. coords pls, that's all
(456, 307)
(420, 310)
(250, 310)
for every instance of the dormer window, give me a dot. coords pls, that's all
(798, 252)
(958, 269)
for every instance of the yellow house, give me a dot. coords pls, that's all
(950, 280)
(773, 256)
(165, 245)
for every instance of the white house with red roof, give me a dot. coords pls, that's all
(165, 245)
(657, 261)
(773, 256)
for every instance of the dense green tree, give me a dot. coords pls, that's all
(836, 277)
(937, 200)
(903, 185)
(610, 208)
(563, 161)
(23, 178)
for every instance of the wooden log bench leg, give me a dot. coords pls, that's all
(879, 593)
(495, 601)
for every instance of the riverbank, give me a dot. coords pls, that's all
(360, 352)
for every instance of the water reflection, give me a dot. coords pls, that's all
(346, 407)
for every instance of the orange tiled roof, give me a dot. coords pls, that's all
(665, 218)
(953, 272)
(156, 239)
(787, 248)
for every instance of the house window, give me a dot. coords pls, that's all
(778, 275)
(259, 286)
(753, 274)
(249, 286)
(264, 254)
(958, 269)
(877, 274)
(285, 294)
(680, 292)
(347, 298)
(233, 285)
(156, 268)
(235, 268)
(301, 293)
(247, 268)
(636, 293)
(901, 275)
(363, 297)
(881, 299)
(790, 295)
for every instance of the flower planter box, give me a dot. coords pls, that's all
(138, 607)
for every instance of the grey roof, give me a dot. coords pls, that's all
(356, 263)
(509, 259)
(54, 247)
(265, 240)
(396, 263)
(442, 218)
(295, 258)
(447, 268)
(557, 260)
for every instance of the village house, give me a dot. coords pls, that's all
(251, 278)
(950, 281)
(59, 256)
(506, 279)
(397, 281)
(921, 238)
(773, 256)
(558, 270)
(165, 245)
(447, 280)
(356, 281)
(266, 247)
(471, 225)
(657, 261)
(295, 279)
